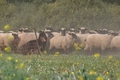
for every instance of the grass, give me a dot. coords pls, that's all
(61, 67)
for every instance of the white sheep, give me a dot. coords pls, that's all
(81, 39)
(101, 41)
(115, 43)
(8, 39)
(63, 42)
(26, 37)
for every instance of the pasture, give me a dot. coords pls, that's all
(74, 66)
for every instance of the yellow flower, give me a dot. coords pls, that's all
(10, 37)
(14, 75)
(72, 73)
(7, 49)
(45, 52)
(107, 73)
(16, 60)
(110, 57)
(81, 45)
(76, 63)
(7, 27)
(100, 78)
(78, 48)
(75, 45)
(9, 58)
(21, 65)
(80, 77)
(79, 70)
(96, 55)
(27, 78)
(1, 54)
(56, 54)
(92, 72)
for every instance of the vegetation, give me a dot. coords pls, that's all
(92, 14)
(59, 67)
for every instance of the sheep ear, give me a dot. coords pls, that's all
(74, 36)
(15, 35)
(69, 33)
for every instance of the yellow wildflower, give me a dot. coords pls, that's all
(56, 54)
(9, 58)
(76, 63)
(75, 45)
(21, 65)
(14, 75)
(45, 52)
(16, 60)
(1, 54)
(7, 27)
(96, 55)
(80, 77)
(92, 72)
(72, 73)
(79, 70)
(78, 48)
(27, 78)
(107, 72)
(10, 37)
(100, 78)
(7, 49)
(110, 57)
(81, 45)
(118, 75)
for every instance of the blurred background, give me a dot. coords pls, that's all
(92, 14)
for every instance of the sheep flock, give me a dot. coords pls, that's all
(64, 40)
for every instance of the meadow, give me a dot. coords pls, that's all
(57, 66)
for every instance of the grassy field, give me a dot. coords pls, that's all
(75, 66)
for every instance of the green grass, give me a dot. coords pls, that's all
(61, 67)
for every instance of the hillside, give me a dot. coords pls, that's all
(92, 14)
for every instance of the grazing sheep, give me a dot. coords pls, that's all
(62, 32)
(81, 39)
(62, 42)
(33, 46)
(82, 30)
(101, 41)
(26, 37)
(115, 43)
(6, 39)
(15, 43)
(102, 31)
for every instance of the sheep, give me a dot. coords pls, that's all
(62, 42)
(15, 43)
(81, 39)
(115, 43)
(7, 39)
(82, 30)
(102, 31)
(62, 32)
(101, 41)
(35, 45)
(26, 37)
